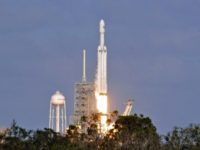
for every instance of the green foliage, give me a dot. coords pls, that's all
(128, 133)
(17, 138)
(183, 138)
(133, 132)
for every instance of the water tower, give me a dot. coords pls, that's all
(57, 113)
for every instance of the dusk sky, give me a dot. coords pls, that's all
(153, 57)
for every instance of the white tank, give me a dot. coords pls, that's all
(57, 112)
(58, 99)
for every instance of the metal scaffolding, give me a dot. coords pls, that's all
(84, 101)
(84, 98)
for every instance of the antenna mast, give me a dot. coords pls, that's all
(84, 66)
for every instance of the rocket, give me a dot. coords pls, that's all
(101, 78)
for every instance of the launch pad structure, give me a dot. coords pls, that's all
(84, 104)
(84, 98)
(91, 97)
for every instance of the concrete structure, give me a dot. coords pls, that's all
(57, 113)
(84, 99)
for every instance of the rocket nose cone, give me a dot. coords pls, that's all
(102, 23)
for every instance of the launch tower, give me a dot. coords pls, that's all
(84, 99)
(92, 97)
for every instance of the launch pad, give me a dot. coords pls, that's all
(91, 97)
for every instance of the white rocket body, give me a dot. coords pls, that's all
(101, 82)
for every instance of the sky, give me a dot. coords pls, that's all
(153, 57)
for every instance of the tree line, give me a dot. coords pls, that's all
(134, 132)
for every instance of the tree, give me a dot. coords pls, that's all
(133, 132)
(114, 115)
(15, 137)
(128, 133)
(182, 138)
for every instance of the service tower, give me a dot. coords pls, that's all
(84, 98)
